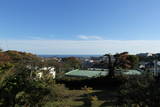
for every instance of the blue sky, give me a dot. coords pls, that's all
(74, 23)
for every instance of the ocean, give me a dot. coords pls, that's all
(64, 56)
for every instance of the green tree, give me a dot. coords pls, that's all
(17, 57)
(71, 63)
(18, 83)
(134, 61)
(117, 61)
(143, 91)
(18, 88)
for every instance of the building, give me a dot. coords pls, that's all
(86, 73)
(130, 72)
(94, 73)
(51, 70)
(145, 54)
(97, 69)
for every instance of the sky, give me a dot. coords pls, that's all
(80, 26)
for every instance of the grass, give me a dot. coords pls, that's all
(78, 98)
(73, 99)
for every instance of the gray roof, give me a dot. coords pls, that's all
(86, 73)
(90, 73)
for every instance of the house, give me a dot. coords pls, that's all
(145, 54)
(51, 70)
(98, 73)
(85, 73)
(131, 72)
(97, 69)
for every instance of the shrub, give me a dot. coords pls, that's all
(93, 98)
(87, 89)
(60, 92)
(142, 91)
(19, 89)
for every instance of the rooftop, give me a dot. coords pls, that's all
(94, 73)
(86, 73)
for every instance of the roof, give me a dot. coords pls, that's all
(91, 73)
(86, 73)
(132, 72)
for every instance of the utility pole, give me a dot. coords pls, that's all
(155, 67)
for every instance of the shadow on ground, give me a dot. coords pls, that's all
(106, 98)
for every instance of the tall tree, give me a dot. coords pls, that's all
(141, 91)
(72, 62)
(134, 61)
(119, 60)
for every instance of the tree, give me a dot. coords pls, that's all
(18, 83)
(5, 62)
(134, 61)
(17, 88)
(143, 91)
(71, 63)
(17, 57)
(117, 61)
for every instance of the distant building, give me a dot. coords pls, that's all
(130, 72)
(157, 54)
(94, 73)
(51, 70)
(86, 73)
(97, 69)
(145, 54)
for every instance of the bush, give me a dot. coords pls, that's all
(87, 89)
(60, 92)
(20, 89)
(143, 91)
(95, 83)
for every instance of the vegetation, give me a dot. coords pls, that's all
(143, 91)
(20, 86)
(118, 61)
(17, 86)
(71, 63)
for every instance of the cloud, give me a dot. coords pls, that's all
(81, 46)
(48, 37)
(85, 37)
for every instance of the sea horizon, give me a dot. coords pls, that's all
(68, 55)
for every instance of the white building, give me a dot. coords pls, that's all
(51, 70)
